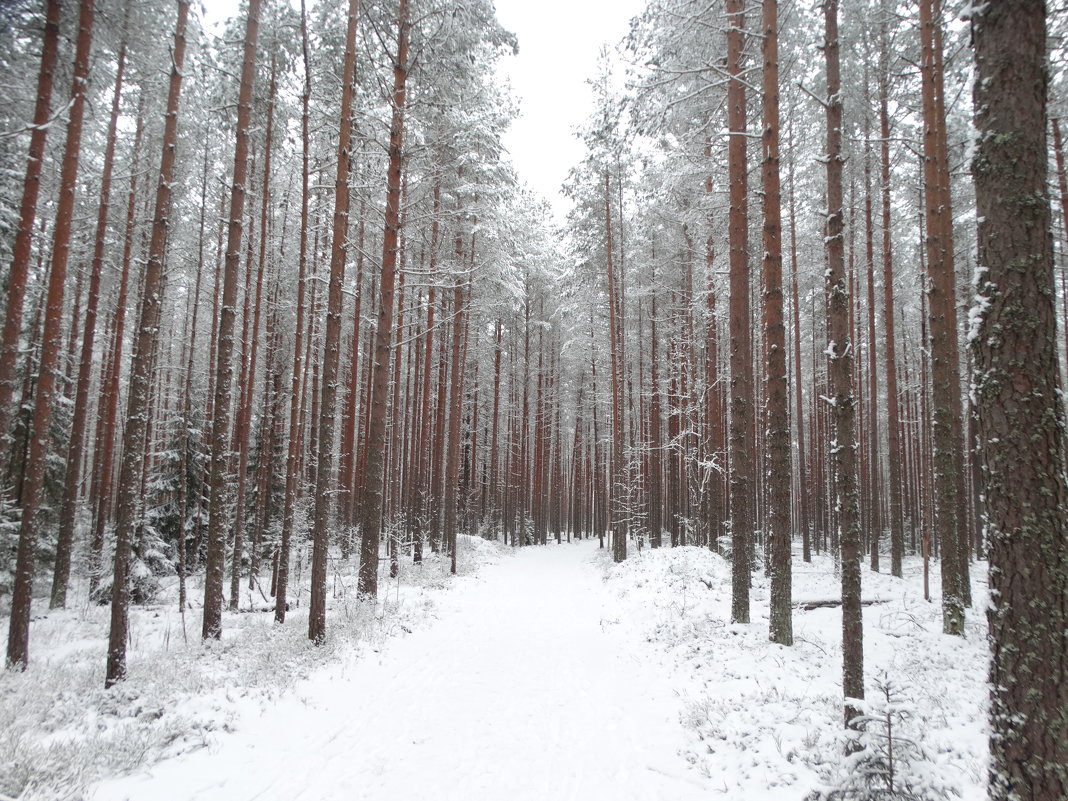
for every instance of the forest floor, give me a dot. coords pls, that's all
(523, 688)
(766, 719)
(61, 731)
(552, 674)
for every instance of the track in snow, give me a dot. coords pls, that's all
(523, 689)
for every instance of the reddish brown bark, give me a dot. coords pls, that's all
(289, 503)
(36, 463)
(893, 414)
(332, 344)
(106, 435)
(945, 359)
(777, 401)
(371, 517)
(741, 350)
(145, 342)
(840, 368)
(76, 445)
(245, 390)
(31, 185)
(1020, 413)
(218, 513)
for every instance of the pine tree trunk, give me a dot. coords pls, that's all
(875, 487)
(289, 502)
(1021, 419)
(36, 463)
(218, 512)
(714, 418)
(804, 492)
(245, 390)
(371, 517)
(840, 354)
(537, 479)
(332, 344)
(616, 513)
(656, 445)
(145, 340)
(945, 396)
(495, 427)
(182, 566)
(106, 434)
(437, 445)
(347, 478)
(456, 412)
(31, 185)
(778, 402)
(893, 414)
(742, 485)
(76, 446)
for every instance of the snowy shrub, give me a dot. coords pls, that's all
(890, 762)
(152, 558)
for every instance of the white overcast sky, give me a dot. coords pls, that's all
(559, 42)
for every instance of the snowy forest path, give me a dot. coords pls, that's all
(524, 688)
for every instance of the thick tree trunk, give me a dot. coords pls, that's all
(36, 463)
(945, 395)
(742, 485)
(145, 340)
(31, 185)
(76, 446)
(778, 401)
(332, 345)
(246, 388)
(371, 514)
(289, 502)
(840, 354)
(218, 511)
(1021, 419)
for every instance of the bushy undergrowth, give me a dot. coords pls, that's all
(887, 758)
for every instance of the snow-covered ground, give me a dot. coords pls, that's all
(61, 731)
(523, 688)
(552, 674)
(767, 719)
